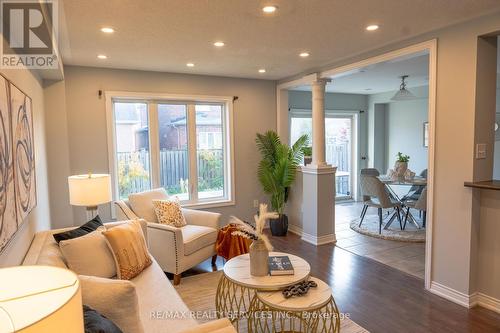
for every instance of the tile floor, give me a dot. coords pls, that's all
(407, 257)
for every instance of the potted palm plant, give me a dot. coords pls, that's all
(276, 173)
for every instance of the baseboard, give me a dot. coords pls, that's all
(295, 229)
(327, 239)
(450, 294)
(485, 301)
(321, 240)
(468, 301)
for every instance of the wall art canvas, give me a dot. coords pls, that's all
(8, 215)
(17, 160)
(23, 152)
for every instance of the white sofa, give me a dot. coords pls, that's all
(155, 293)
(177, 249)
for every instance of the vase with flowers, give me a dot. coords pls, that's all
(261, 246)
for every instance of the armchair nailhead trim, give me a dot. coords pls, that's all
(176, 252)
(176, 255)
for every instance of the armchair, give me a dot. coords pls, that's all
(178, 249)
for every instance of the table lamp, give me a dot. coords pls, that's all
(89, 190)
(40, 299)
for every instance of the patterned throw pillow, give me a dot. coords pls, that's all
(169, 212)
(127, 243)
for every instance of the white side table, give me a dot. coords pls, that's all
(314, 312)
(237, 287)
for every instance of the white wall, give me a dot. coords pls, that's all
(57, 153)
(402, 129)
(488, 252)
(39, 218)
(456, 237)
(496, 158)
(80, 114)
(378, 137)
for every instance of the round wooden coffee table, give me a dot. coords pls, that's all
(314, 312)
(237, 287)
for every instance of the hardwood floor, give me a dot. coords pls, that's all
(378, 297)
(383, 299)
(405, 256)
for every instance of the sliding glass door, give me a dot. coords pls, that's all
(339, 146)
(338, 136)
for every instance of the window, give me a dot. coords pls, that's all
(132, 148)
(174, 157)
(182, 145)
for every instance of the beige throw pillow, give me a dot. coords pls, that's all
(89, 255)
(129, 248)
(115, 299)
(142, 203)
(169, 212)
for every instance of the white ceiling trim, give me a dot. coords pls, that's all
(341, 71)
(416, 49)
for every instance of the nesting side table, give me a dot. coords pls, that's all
(314, 312)
(237, 287)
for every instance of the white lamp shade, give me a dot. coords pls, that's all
(89, 190)
(40, 299)
(403, 95)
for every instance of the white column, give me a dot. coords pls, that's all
(318, 179)
(318, 123)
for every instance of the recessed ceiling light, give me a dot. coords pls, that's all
(372, 27)
(269, 9)
(304, 54)
(108, 30)
(219, 44)
(262, 70)
(190, 64)
(102, 56)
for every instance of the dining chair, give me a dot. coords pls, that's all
(420, 204)
(374, 172)
(415, 190)
(368, 172)
(374, 191)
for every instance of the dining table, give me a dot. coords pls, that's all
(389, 183)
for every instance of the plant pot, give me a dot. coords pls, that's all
(279, 226)
(400, 169)
(307, 160)
(259, 258)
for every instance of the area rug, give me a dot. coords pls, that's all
(198, 292)
(369, 227)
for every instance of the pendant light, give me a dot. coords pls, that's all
(403, 94)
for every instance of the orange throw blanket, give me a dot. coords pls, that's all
(229, 246)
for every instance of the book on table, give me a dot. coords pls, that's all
(280, 265)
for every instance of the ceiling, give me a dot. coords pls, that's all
(164, 35)
(381, 77)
